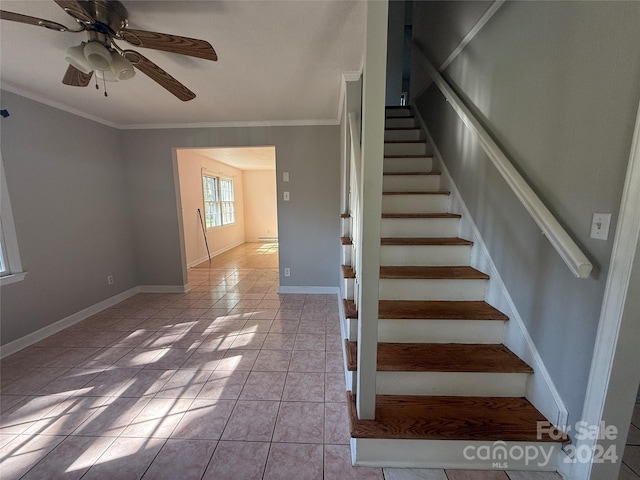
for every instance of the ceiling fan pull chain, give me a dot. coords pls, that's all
(104, 82)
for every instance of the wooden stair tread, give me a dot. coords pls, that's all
(421, 192)
(421, 215)
(346, 241)
(347, 271)
(442, 357)
(508, 419)
(424, 241)
(429, 272)
(349, 307)
(430, 310)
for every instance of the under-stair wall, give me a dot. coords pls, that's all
(568, 133)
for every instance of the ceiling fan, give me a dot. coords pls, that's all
(105, 21)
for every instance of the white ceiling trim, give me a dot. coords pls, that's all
(54, 104)
(271, 123)
(73, 111)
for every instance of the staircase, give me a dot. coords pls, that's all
(449, 393)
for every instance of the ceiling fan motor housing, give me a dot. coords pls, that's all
(107, 17)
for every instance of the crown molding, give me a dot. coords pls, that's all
(265, 123)
(236, 124)
(59, 106)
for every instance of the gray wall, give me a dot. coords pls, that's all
(91, 201)
(66, 180)
(395, 49)
(556, 83)
(440, 26)
(308, 225)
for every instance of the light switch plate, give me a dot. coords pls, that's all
(286, 196)
(285, 176)
(600, 226)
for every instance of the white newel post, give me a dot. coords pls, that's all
(373, 113)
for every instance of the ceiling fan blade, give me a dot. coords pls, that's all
(169, 43)
(76, 78)
(39, 22)
(157, 74)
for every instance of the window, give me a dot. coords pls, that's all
(10, 264)
(4, 270)
(218, 201)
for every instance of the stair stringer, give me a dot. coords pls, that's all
(541, 390)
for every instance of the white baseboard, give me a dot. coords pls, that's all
(164, 288)
(214, 253)
(541, 391)
(310, 290)
(38, 335)
(198, 261)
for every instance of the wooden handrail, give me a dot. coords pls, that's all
(568, 250)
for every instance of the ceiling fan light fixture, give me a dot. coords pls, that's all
(107, 75)
(121, 67)
(75, 56)
(98, 56)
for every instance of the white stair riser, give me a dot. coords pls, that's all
(397, 112)
(345, 228)
(432, 289)
(346, 254)
(455, 454)
(454, 384)
(415, 203)
(423, 255)
(405, 148)
(410, 183)
(399, 122)
(413, 134)
(419, 227)
(353, 330)
(421, 164)
(348, 287)
(440, 331)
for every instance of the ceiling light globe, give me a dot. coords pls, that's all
(75, 57)
(122, 67)
(97, 55)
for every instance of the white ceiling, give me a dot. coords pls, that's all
(243, 158)
(280, 62)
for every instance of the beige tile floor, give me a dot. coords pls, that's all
(228, 381)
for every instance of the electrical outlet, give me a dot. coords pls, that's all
(110, 279)
(287, 272)
(600, 226)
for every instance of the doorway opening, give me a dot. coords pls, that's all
(228, 202)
